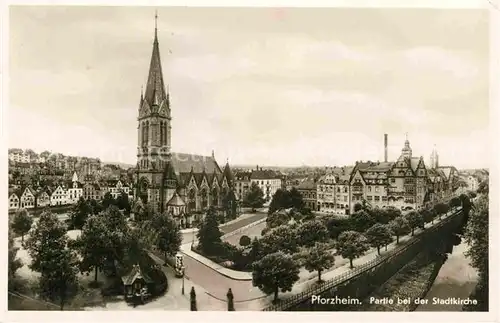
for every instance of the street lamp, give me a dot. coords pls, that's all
(183, 270)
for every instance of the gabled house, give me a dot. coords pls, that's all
(14, 199)
(27, 199)
(59, 196)
(42, 198)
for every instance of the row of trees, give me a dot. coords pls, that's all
(287, 245)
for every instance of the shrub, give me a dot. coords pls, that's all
(245, 241)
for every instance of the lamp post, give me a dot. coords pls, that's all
(183, 270)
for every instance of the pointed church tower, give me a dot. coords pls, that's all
(434, 158)
(153, 148)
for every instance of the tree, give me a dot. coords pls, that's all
(440, 209)
(192, 297)
(123, 203)
(51, 257)
(169, 235)
(245, 241)
(296, 200)
(379, 235)
(319, 258)
(277, 218)
(79, 214)
(310, 232)
(399, 226)
(351, 245)
(336, 226)
(427, 216)
(280, 238)
(108, 200)
(120, 234)
(229, 204)
(361, 220)
(209, 234)
(414, 220)
(476, 236)
(14, 262)
(230, 300)
(358, 207)
(93, 245)
(276, 271)
(255, 197)
(22, 223)
(95, 206)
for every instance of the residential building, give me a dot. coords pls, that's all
(115, 188)
(92, 191)
(242, 184)
(59, 196)
(42, 198)
(308, 189)
(326, 193)
(74, 190)
(14, 201)
(268, 180)
(27, 199)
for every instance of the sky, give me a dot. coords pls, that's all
(285, 87)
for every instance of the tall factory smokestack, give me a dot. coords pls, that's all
(385, 147)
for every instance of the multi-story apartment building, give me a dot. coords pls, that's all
(268, 180)
(308, 189)
(242, 184)
(325, 189)
(92, 191)
(115, 188)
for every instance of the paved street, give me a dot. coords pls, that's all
(212, 281)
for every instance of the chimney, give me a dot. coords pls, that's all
(385, 147)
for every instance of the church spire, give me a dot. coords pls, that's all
(155, 87)
(156, 26)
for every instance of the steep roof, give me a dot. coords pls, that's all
(183, 163)
(176, 200)
(308, 184)
(134, 274)
(155, 87)
(414, 161)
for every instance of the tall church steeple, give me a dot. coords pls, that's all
(434, 158)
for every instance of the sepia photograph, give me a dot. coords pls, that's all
(169, 158)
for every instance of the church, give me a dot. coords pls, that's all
(183, 185)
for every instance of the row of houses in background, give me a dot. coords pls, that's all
(67, 193)
(405, 183)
